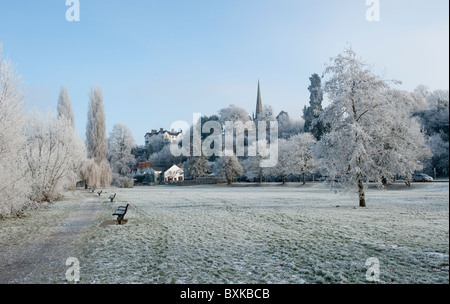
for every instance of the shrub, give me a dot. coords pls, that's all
(123, 182)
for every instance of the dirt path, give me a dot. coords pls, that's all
(40, 256)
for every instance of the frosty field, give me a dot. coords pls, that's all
(247, 234)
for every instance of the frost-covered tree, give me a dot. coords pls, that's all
(435, 122)
(53, 153)
(96, 175)
(157, 142)
(302, 160)
(165, 158)
(288, 127)
(237, 127)
(96, 141)
(283, 167)
(196, 166)
(90, 173)
(435, 118)
(438, 164)
(267, 114)
(372, 135)
(14, 178)
(204, 119)
(233, 113)
(105, 174)
(65, 105)
(228, 167)
(120, 144)
(254, 167)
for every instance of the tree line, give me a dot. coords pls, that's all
(370, 131)
(41, 155)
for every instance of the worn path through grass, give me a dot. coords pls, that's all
(34, 249)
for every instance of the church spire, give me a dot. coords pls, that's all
(258, 102)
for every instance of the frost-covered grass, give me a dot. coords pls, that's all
(271, 234)
(35, 246)
(239, 234)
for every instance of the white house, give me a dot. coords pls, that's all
(174, 174)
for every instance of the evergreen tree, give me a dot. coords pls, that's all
(311, 113)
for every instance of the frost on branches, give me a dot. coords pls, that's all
(228, 167)
(65, 106)
(120, 143)
(196, 166)
(14, 186)
(96, 171)
(283, 167)
(53, 154)
(302, 160)
(372, 133)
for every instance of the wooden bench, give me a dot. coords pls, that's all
(112, 197)
(120, 212)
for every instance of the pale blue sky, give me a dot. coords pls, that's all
(161, 61)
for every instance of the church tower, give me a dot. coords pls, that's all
(258, 103)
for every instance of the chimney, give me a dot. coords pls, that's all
(153, 131)
(161, 130)
(172, 131)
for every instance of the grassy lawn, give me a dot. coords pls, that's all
(220, 234)
(248, 234)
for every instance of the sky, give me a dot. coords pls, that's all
(158, 62)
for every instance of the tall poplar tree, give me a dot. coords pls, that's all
(98, 171)
(65, 106)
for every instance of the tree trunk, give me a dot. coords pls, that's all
(304, 178)
(362, 195)
(284, 179)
